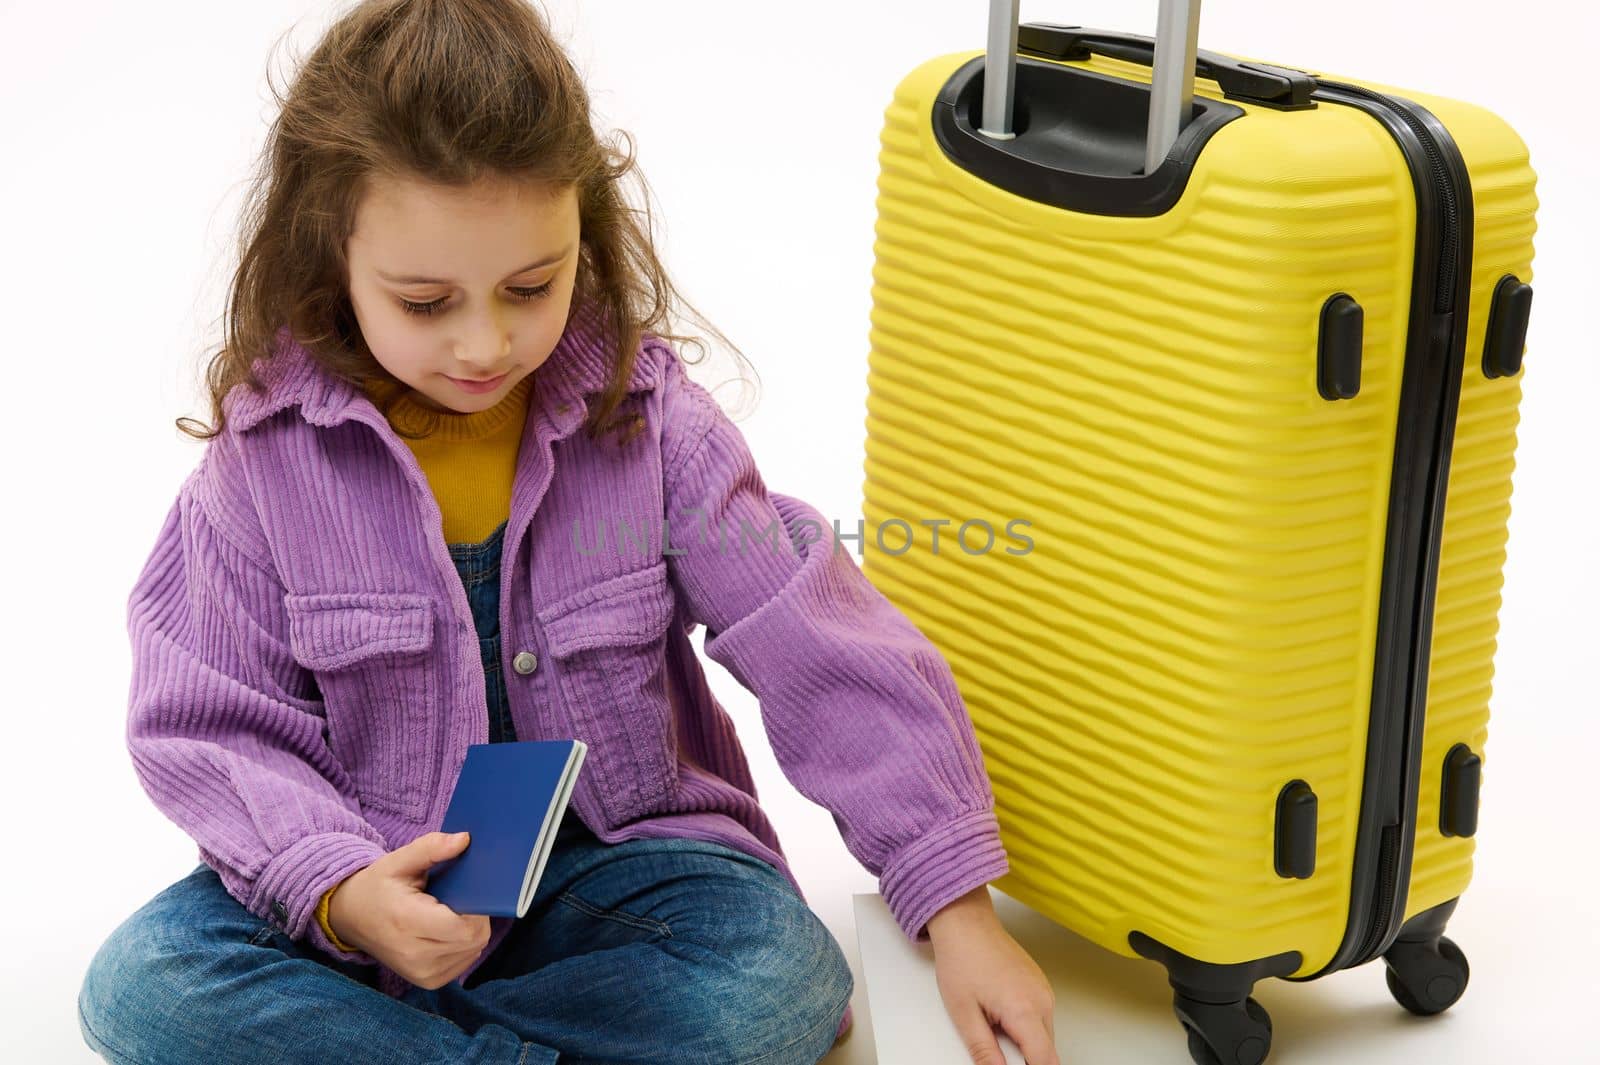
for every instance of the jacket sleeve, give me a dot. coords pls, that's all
(861, 708)
(225, 733)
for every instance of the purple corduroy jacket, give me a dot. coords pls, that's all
(306, 676)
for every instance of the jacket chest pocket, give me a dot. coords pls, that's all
(608, 641)
(370, 654)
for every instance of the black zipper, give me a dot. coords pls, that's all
(1424, 438)
(1449, 253)
(1387, 888)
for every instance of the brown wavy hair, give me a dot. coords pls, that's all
(447, 92)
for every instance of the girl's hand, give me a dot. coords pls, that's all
(383, 910)
(986, 978)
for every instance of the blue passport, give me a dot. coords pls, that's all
(510, 797)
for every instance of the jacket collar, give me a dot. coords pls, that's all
(579, 366)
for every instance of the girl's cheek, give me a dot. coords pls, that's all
(395, 343)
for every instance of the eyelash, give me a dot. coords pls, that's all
(526, 295)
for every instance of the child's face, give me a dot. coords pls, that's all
(495, 264)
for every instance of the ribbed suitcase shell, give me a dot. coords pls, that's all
(1193, 625)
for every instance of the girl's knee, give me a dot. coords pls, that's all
(818, 965)
(786, 990)
(787, 943)
(117, 991)
(127, 985)
(152, 971)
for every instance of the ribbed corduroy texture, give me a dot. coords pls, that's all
(227, 728)
(224, 751)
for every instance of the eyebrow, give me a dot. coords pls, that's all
(413, 279)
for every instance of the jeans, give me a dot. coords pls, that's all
(648, 950)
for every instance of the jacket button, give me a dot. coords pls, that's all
(525, 662)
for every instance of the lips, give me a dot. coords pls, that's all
(486, 384)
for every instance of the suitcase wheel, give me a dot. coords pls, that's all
(1237, 1033)
(1426, 977)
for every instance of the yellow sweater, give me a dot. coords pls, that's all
(469, 461)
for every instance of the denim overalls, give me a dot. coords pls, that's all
(478, 565)
(479, 568)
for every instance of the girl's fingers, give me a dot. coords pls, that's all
(976, 1034)
(432, 920)
(1035, 1039)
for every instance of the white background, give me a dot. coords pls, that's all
(127, 131)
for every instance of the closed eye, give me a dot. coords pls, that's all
(526, 295)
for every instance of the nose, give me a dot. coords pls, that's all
(484, 348)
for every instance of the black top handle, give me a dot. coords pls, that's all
(1283, 88)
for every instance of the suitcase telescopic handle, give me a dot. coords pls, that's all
(1283, 88)
(1172, 73)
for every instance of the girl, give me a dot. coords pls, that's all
(443, 383)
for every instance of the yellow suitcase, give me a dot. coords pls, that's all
(1197, 470)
